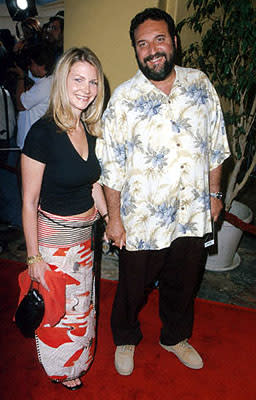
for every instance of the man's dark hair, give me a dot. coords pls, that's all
(60, 18)
(43, 54)
(8, 39)
(156, 14)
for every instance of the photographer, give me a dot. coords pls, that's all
(55, 33)
(32, 102)
(31, 34)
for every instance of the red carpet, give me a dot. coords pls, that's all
(225, 336)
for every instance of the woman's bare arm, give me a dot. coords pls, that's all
(32, 176)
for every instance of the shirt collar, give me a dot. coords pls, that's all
(140, 78)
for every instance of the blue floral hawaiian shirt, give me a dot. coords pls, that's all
(158, 150)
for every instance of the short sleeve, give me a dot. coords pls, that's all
(219, 147)
(36, 144)
(111, 149)
(38, 94)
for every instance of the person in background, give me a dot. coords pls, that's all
(61, 204)
(162, 151)
(55, 33)
(33, 102)
(7, 79)
(45, 32)
(31, 35)
(7, 110)
(10, 199)
(7, 39)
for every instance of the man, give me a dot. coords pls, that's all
(33, 102)
(163, 145)
(55, 33)
(10, 200)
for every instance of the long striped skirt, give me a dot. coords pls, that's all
(66, 349)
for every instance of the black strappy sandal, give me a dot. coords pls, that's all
(69, 387)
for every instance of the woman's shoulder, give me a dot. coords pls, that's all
(45, 122)
(44, 126)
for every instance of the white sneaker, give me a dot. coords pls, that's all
(186, 354)
(124, 359)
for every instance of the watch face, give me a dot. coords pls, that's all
(217, 195)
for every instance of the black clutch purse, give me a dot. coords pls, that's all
(30, 312)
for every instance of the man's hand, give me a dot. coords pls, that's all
(18, 71)
(115, 232)
(216, 204)
(216, 208)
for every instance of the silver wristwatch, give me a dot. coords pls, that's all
(217, 195)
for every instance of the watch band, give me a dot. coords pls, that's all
(217, 195)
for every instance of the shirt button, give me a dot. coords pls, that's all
(182, 166)
(182, 188)
(182, 208)
(178, 144)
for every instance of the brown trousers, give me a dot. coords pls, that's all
(179, 270)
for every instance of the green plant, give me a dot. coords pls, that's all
(227, 54)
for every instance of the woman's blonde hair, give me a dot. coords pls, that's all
(59, 108)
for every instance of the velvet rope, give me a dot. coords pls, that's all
(238, 223)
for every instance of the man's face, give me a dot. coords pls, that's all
(37, 70)
(154, 49)
(54, 32)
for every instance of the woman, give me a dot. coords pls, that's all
(61, 197)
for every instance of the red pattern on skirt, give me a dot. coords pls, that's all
(66, 349)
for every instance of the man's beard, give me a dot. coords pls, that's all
(163, 72)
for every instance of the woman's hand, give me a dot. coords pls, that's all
(36, 272)
(106, 220)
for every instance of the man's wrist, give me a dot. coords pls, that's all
(216, 195)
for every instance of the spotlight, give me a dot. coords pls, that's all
(22, 4)
(21, 9)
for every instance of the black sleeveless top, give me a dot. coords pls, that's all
(68, 179)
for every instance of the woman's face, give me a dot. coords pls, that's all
(82, 86)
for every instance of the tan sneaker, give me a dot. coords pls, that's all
(186, 354)
(124, 359)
